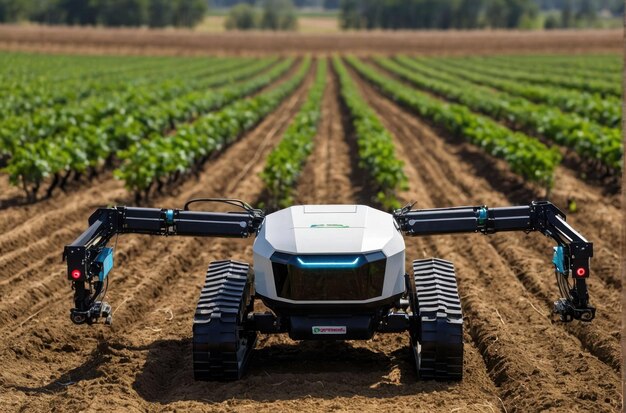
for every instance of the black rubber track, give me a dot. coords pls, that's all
(221, 347)
(441, 320)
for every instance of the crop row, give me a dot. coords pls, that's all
(572, 81)
(60, 68)
(91, 144)
(605, 110)
(376, 150)
(525, 156)
(162, 158)
(46, 73)
(601, 67)
(284, 164)
(27, 97)
(51, 72)
(113, 111)
(589, 139)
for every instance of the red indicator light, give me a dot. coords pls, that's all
(76, 274)
(581, 272)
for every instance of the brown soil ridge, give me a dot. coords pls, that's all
(183, 42)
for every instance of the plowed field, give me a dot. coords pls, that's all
(516, 358)
(185, 42)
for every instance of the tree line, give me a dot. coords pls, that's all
(581, 13)
(266, 15)
(152, 13)
(468, 14)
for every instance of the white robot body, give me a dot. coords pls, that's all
(348, 246)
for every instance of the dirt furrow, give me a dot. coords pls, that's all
(522, 333)
(329, 176)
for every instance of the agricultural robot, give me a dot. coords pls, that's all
(326, 272)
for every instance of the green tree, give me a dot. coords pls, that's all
(12, 11)
(188, 13)
(350, 15)
(160, 13)
(279, 15)
(469, 14)
(496, 13)
(242, 17)
(617, 7)
(81, 12)
(567, 14)
(518, 10)
(587, 12)
(552, 22)
(124, 12)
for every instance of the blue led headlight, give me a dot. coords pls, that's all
(316, 261)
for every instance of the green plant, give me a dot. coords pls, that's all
(160, 157)
(590, 140)
(525, 156)
(375, 143)
(284, 164)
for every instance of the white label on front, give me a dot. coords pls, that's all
(330, 330)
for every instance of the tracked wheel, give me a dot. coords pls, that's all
(437, 334)
(221, 344)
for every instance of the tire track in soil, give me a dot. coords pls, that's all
(213, 179)
(597, 218)
(535, 365)
(30, 244)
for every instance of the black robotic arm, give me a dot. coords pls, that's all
(571, 255)
(89, 260)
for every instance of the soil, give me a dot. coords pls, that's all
(185, 42)
(516, 358)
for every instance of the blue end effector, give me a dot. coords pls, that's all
(558, 259)
(105, 261)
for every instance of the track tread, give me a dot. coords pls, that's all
(221, 348)
(441, 320)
